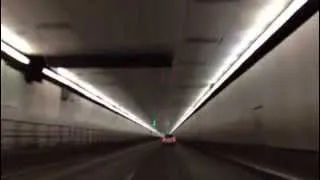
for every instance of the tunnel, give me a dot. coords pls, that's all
(159, 90)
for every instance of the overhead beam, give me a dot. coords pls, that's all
(109, 60)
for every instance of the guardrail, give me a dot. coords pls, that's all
(22, 134)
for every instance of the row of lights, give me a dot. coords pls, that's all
(13, 45)
(234, 61)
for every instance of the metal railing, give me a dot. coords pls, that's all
(19, 134)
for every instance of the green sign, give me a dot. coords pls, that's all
(154, 123)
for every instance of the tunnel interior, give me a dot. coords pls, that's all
(137, 90)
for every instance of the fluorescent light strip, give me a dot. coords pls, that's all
(14, 53)
(71, 80)
(218, 80)
(13, 39)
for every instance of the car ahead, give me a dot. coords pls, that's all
(168, 139)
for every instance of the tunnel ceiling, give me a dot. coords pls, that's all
(199, 34)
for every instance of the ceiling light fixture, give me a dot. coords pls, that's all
(14, 53)
(234, 61)
(14, 40)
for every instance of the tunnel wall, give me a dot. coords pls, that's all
(275, 103)
(35, 115)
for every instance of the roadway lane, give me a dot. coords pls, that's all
(163, 163)
(150, 161)
(206, 167)
(118, 165)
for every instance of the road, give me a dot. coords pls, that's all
(149, 161)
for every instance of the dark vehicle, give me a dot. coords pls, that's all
(169, 139)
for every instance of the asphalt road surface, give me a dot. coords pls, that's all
(150, 161)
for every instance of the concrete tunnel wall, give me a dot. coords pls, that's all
(274, 103)
(34, 114)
